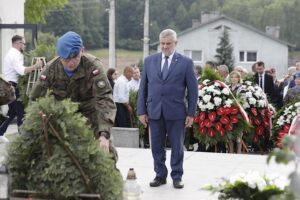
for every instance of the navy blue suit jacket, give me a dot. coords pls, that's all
(176, 96)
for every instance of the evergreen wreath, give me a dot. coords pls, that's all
(57, 156)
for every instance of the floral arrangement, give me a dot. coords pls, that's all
(283, 121)
(250, 186)
(220, 118)
(255, 103)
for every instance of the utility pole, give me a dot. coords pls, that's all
(112, 35)
(146, 30)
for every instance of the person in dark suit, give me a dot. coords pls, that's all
(264, 80)
(168, 79)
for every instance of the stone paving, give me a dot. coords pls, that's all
(200, 169)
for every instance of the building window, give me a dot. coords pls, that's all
(248, 56)
(195, 55)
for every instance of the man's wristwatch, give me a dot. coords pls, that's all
(104, 134)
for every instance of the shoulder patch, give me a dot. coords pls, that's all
(101, 84)
(43, 77)
(95, 72)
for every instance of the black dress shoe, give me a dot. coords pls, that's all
(158, 182)
(178, 184)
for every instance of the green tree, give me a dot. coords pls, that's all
(36, 10)
(224, 51)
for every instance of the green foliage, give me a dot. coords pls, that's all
(225, 51)
(90, 19)
(36, 10)
(133, 96)
(43, 157)
(210, 74)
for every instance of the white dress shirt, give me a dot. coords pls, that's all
(121, 90)
(163, 60)
(134, 84)
(13, 65)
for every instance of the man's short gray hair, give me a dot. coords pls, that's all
(223, 67)
(168, 33)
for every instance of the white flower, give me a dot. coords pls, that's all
(206, 98)
(200, 93)
(228, 103)
(246, 105)
(216, 92)
(248, 82)
(225, 91)
(201, 106)
(205, 82)
(248, 94)
(210, 106)
(210, 88)
(280, 120)
(252, 101)
(297, 104)
(217, 101)
(261, 103)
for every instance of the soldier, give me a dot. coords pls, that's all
(80, 77)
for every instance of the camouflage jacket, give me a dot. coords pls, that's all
(88, 86)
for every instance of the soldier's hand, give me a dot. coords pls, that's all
(129, 108)
(104, 144)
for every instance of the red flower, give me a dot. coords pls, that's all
(222, 132)
(229, 127)
(267, 123)
(286, 127)
(218, 126)
(211, 132)
(224, 119)
(259, 130)
(208, 123)
(220, 111)
(226, 111)
(202, 130)
(234, 110)
(262, 112)
(256, 121)
(202, 124)
(250, 119)
(212, 116)
(254, 111)
(202, 116)
(234, 119)
(196, 118)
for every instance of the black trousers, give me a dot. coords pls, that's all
(15, 109)
(122, 116)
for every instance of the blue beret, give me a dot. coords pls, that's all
(297, 75)
(69, 45)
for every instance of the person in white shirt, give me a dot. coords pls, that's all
(13, 68)
(121, 98)
(134, 84)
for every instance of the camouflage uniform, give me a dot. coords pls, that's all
(88, 86)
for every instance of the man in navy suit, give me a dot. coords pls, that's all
(167, 100)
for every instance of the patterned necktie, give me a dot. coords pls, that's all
(165, 68)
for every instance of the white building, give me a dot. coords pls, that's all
(11, 12)
(250, 44)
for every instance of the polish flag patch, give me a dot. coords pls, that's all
(43, 77)
(95, 72)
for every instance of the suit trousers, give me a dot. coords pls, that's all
(15, 109)
(159, 130)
